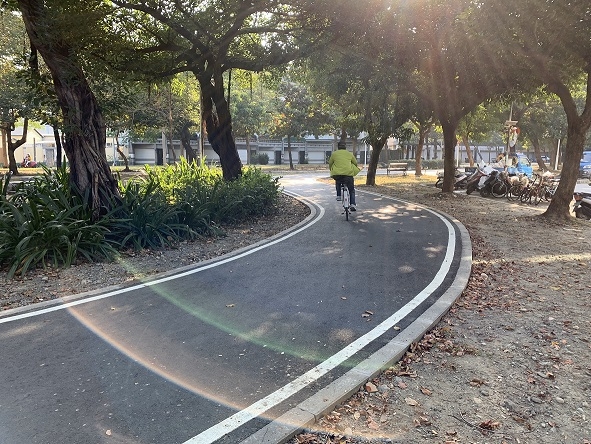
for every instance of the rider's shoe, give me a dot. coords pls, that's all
(339, 198)
(352, 208)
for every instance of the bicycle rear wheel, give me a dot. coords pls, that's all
(346, 203)
(513, 192)
(499, 189)
(525, 196)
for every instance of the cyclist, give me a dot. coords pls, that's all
(343, 167)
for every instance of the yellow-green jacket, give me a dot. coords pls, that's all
(342, 163)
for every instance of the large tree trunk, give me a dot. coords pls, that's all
(218, 123)
(577, 128)
(449, 144)
(377, 145)
(559, 207)
(84, 127)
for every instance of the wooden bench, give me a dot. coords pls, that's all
(393, 166)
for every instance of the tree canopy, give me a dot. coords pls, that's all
(210, 38)
(452, 56)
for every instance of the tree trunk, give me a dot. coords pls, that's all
(468, 150)
(377, 144)
(449, 144)
(12, 146)
(535, 142)
(186, 142)
(577, 128)
(289, 153)
(424, 130)
(121, 153)
(218, 123)
(559, 207)
(418, 156)
(84, 127)
(170, 148)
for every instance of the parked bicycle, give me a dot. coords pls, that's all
(549, 184)
(516, 186)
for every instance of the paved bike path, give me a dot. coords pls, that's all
(215, 353)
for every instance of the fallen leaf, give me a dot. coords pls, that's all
(370, 387)
(423, 420)
(426, 391)
(372, 424)
(307, 438)
(411, 401)
(489, 424)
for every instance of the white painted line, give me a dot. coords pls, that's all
(239, 418)
(167, 278)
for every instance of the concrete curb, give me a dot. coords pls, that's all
(309, 411)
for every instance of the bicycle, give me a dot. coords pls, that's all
(550, 186)
(529, 193)
(345, 199)
(517, 186)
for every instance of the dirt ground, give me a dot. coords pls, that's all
(510, 362)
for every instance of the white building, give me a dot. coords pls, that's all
(40, 145)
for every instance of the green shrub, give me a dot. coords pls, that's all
(204, 196)
(431, 164)
(143, 218)
(259, 159)
(47, 222)
(254, 193)
(48, 225)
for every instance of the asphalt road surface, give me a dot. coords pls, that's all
(215, 353)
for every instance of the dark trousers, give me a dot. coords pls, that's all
(349, 183)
